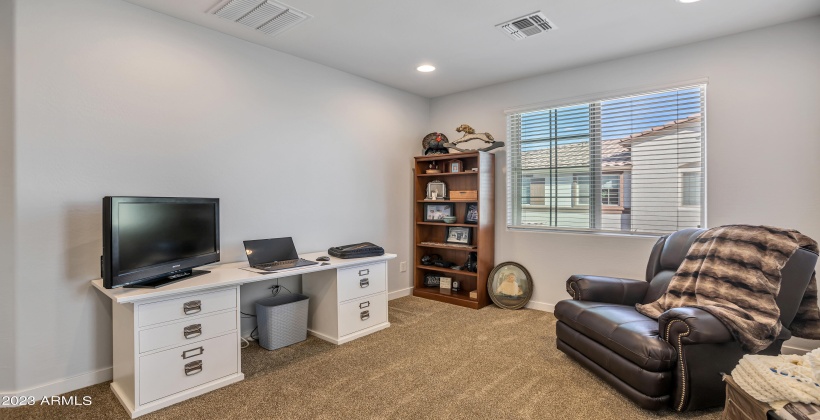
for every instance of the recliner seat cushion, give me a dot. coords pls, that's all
(621, 329)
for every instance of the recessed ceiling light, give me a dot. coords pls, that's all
(687, 1)
(425, 68)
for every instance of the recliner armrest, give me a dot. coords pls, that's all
(692, 326)
(606, 289)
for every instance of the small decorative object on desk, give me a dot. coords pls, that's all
(437, 212)
(456, 285)
(510, 285)
(433, 144)
(436, 190)
(432, 169)
(482, 139)
(472, 213)
(459, 235)
(445, 283)
(455, 166)
(449, 219)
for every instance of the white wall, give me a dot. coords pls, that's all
(762, 148)
(114, 99)
(6, 195)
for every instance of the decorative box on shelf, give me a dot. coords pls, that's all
(463, 195)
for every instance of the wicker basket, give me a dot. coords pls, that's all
(282, 320)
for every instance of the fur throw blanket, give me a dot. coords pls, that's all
(733, 272)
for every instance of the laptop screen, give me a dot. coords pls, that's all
(264, 251)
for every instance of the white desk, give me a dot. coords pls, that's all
(182, 340)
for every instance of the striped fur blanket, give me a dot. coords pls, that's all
(733, 272)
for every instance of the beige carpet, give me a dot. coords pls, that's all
(435, 361)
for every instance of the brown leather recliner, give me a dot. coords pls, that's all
(677, 360)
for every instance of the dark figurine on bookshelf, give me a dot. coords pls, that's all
(433, 144)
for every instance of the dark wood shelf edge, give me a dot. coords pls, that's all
(447, 224)
(456, 298)
(450, 173)
(447, 201)
(446, 156)
(457, 248)
(447, 270)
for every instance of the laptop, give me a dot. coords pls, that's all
(274, 254)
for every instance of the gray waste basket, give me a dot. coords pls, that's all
(282, 320)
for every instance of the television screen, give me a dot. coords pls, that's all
(148, 238)
(156, 233)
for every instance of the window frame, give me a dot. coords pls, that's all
(590, 99)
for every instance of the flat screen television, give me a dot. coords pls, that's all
(154, 241)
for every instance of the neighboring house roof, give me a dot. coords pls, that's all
(615, 153)
(656, 131)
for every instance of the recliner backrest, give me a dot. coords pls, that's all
(670, 252)
(667, 255)
(794, 278)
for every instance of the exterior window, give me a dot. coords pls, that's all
(611, 190)
(631, 164)
(690, 191)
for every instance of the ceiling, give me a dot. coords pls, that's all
(385, 40)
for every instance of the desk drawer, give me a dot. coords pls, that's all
(187, 331)
(167, 372)
(362, 313)
(361, 281)
(189, 306)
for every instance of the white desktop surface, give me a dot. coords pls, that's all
(230, 274)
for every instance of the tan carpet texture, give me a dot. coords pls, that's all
(436, 361)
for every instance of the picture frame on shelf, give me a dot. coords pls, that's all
(459, 235)
(471, 213)
(455, 166)
(436, 212)
(436, 190)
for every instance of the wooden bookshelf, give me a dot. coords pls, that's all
(483, 232)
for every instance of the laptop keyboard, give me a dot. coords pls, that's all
(276, 264)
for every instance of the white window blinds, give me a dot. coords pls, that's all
(631, 164)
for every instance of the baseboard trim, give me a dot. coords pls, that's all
(65, 385)
(540, 306)
(400, 293)
(794, 350)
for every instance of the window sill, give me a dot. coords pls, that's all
(560, 231)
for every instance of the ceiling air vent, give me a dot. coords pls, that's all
(526, 26)
(266, 16)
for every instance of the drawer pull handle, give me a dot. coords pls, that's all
(191, 331)
(364, 283)
(192, 307)
(365, 315)
(364, 305)
(364, 272)
(193, 368)
(185, 354)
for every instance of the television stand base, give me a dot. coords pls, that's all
(164, 281)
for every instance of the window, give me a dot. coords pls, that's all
(631, 164)
(690, 189)
(611, 190)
